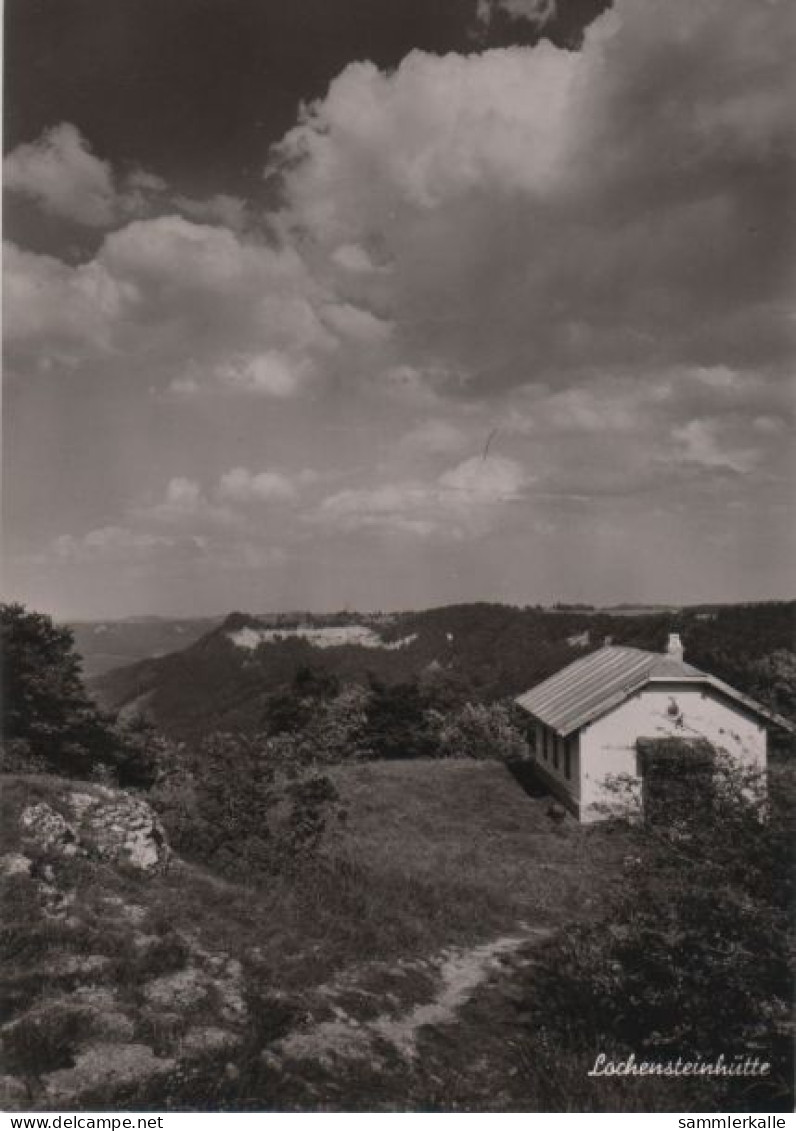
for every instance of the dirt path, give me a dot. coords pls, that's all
(451, 977)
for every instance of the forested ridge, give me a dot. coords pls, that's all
(476, 652)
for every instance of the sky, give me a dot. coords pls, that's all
(383, 304)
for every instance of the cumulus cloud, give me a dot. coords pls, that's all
(583, 249)
(224, 209)
(184, 506)
(64, 178)
(353, 257)
(434, 130)
(488, 216)
(186, 527)
(511, 193)
(243, 486)
(482, 480)
(139, 554)
(464, 501)
(273, 373)
(188, 302)
(700, 443)
(217, 509)
(57, 313)
(621, 436)
(61, 174)
(356, 324)
(118, 544)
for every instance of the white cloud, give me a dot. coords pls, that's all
(353, 257)
(58, 312)
(143, 181)
(183, 494)
(582, 249)
(700, 442)
(272, 373)
(511, 193)
(580, 409)
(112, 544)
(437, 437)
(355, 324)
(177, 300)
(224, 209)
(185, 507)
(493, 479)
(61, 174)
(769, 425)
(170, 252)
(434, 130)
(464, 502)
(242, 486)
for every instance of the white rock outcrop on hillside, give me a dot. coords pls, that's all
(115, 826)
(332, 636)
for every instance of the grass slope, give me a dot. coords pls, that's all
(471, 835)
(433, 859)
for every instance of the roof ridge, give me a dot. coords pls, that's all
(587, 686)
(629, 648)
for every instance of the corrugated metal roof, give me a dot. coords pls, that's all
(590, 686)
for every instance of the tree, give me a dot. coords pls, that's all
(49, 720)
(398, 724)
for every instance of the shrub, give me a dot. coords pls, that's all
(481, 730)
(245, 805)
(693, 958)
(45, 1041)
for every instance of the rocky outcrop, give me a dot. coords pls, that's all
(102, 988)
(107, 982)
(105, 823)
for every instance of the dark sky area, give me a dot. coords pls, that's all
(198, 89)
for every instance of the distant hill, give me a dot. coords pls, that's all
(109, 644)
(223, 680)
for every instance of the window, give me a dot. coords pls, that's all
(556, 744)
(568, 759)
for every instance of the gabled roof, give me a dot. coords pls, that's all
(594, 684)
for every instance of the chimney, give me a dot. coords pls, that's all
(675, 646)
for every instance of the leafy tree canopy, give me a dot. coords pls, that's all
(49, 721)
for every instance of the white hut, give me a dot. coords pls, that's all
(592, 715)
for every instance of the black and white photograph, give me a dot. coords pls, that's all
(398, 624)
